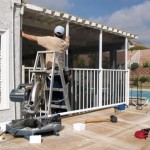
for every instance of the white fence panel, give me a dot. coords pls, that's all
(84, 89)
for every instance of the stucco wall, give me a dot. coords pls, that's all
(6, 21)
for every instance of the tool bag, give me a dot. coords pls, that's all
(142, 134)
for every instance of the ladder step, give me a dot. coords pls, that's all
(56, 72)
(58, 89)
(55, 89)
(58, 101)
(58, 106)
(42, 72)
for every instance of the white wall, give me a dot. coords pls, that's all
(7, 9)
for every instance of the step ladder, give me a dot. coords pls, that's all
(40, 76)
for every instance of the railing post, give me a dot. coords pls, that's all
(127, 87)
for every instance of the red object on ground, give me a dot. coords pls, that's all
(142, 134)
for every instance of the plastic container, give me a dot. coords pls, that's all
(121, 107)
(79, 127)
(35, 139)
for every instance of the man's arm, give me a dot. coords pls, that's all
(29, 37)
(67, 39)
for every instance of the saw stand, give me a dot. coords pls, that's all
(42, 94)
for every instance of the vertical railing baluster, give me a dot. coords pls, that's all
(79, 89)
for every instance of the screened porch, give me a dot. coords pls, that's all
(97, 58)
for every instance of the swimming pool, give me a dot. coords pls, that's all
(133, 93)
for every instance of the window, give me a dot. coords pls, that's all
(4, 70)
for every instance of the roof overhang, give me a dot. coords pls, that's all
(47, 14)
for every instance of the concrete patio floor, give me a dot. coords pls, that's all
(96, 136)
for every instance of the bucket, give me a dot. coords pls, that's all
(121, 107)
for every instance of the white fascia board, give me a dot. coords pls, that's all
(128, 34)
(134, 36)
(104, 27)
(56, 13)
(93, 24)
(87, 22)
(120, 32)
(66, 16)
(79, 20)
(124, 33)
(115, 30)
(110, 29)
(99, 26)
(33, 7)
(73, 18)
(48, 11)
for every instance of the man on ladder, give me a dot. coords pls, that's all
(53, 43)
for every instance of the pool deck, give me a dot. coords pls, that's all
(97, 136)
(135, 89)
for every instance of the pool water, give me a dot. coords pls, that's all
(133, 93)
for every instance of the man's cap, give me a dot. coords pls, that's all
(59, 30)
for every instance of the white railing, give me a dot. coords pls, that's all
(86, 92)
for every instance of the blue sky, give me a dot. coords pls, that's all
(129, 15)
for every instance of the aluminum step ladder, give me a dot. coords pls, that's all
(41, 75)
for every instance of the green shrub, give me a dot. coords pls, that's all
(143, 79)
(134, 66)
(146, 64)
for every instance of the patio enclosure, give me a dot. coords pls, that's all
(100, 77)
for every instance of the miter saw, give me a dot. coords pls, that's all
(30, 96)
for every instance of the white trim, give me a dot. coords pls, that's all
(4, 70)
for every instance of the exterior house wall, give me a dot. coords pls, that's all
(10, 22)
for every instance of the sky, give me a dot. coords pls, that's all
(128, 15)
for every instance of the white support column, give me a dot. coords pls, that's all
(66, 54)
(100, 49)
(21, 25)
(126, 53)
(127, 75)
(100, 68)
